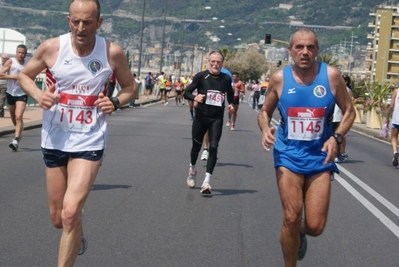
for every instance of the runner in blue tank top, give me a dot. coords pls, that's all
(305, 146)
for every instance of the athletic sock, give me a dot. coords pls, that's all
(192, 168)
(207, 177)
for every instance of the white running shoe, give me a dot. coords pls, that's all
(206, 189)
(204, 155)
(13, 145)
(191, 178)
(227, 123)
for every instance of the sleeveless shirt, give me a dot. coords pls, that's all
(74, 123)
(305, 124)
(395, 112)
(13, 87)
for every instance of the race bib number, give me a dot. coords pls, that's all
(177, 88)
(76, 113)
(305, 124)
(236, 93)
(214, 98)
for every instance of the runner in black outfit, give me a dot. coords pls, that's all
(213, 87)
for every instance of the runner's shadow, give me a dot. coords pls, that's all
(98, 187)
(228, 192)
(222, 164)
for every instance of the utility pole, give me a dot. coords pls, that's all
(182, 42)
(141, 40)
(350, 55)
(163, 36)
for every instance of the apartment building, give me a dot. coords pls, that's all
(383, 47)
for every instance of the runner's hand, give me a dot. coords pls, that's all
(331, 147)
(48, 98)
(105, 104)
(268, 138)
(231, 108)
(198, 99)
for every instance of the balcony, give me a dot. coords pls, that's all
(371, 24)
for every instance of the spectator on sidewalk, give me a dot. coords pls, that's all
(255, 98)
(3, 86)
(16, 98)
(138, 82)
(148, 85)
(73, 148)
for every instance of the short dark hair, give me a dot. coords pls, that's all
(235, 73)
(303, 30)
(23, 47)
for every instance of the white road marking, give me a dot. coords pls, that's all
(374, 210)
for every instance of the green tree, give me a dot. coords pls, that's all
(250, 65)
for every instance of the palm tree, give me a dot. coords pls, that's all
(327, 58)
(227, 53)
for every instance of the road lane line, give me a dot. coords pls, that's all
(375, 211)
(371, 191)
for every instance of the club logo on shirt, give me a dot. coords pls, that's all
(320, 91)
(95, 66)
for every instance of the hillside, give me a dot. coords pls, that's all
(248, 20)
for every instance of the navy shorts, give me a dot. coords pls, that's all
(395, 126)
(57, 158)
(11, 100)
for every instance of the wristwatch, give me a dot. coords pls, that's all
(115, 102)
(339, 138)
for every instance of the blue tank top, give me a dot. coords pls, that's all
(306, 123)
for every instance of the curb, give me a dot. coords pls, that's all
(371, 132)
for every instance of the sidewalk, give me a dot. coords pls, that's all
(33, 115)
(33, 119)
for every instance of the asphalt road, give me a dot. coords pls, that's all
(141, 213)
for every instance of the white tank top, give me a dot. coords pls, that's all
(13, 87)
(74, 123)
(395, 113)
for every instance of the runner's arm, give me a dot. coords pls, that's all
(188, 93)
(122, 74)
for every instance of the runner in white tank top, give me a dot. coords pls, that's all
(75, 107)
(76, 122)
(16, 98)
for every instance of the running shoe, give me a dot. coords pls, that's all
(204, 155)
(206, 189)
(344, 157)
(14, 145)
(303, 247)
(227, 123)
(83, 243)
(394, 160)
(191, 178)
(232, 127)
